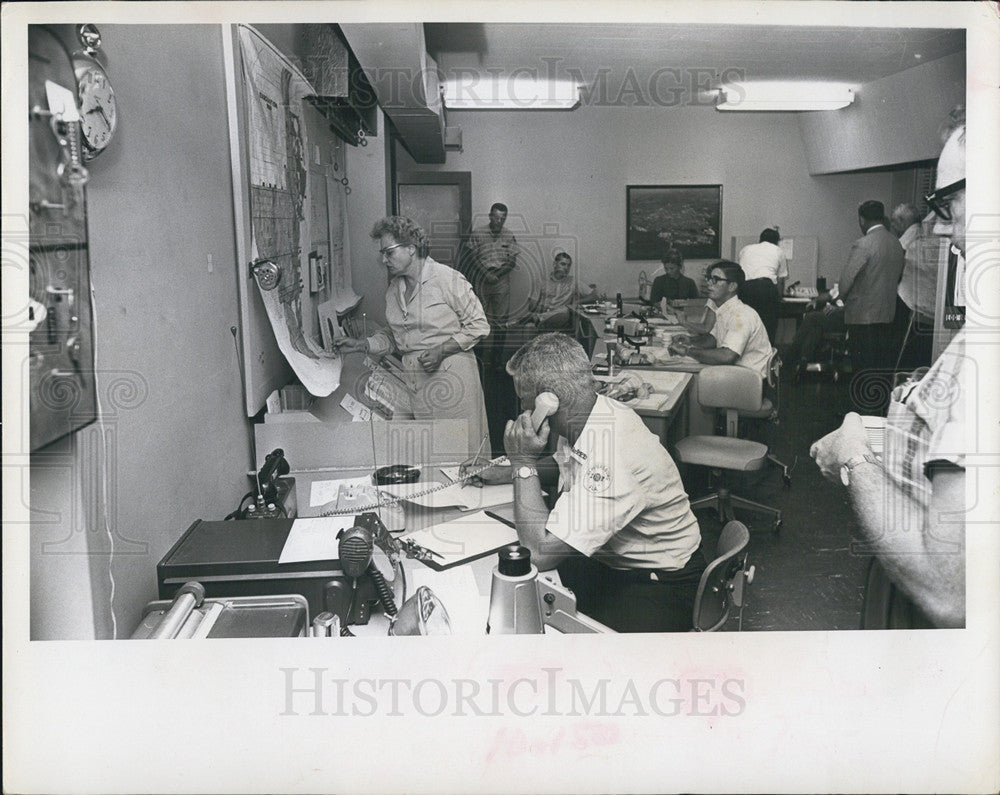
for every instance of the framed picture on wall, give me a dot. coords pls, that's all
(688, 217)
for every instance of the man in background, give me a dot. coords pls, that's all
(737, 336)
(766, 269)
(910, 505)
(491, 256)
(550, 303)
(917, 291)
(867, 287)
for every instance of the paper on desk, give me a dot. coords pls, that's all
(465, 537)
(324, 491)
(314, 539)
(456, 494)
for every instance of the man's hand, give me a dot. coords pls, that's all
(349, 344)
(829, 309)
(522, 444)
(837, 448)
(431, 358)
(494, 476)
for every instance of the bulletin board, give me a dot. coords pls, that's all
(290, 192)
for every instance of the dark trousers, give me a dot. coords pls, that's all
(809, 335)
(762, 295)
(629, 601)
(872, 357)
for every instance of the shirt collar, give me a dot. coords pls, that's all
(875, 226)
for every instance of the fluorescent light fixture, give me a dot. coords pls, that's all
(488, 92)
(784, 96)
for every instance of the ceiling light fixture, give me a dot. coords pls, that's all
(478, 92)
(784, 96)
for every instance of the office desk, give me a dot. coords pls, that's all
(696, 420)
(464, 590)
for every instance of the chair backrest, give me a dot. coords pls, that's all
(733, 388)
(724, 580)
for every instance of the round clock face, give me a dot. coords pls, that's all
(98, 112)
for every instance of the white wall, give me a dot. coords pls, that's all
(893, 120)
(163, 262)
(564, 173)
(162, 258)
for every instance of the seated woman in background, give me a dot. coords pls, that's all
(672, 285)
(434, 319)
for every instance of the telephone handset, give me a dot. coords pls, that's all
(546, 404)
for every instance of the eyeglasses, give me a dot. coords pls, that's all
(940, 200)
(384, 252)
(717, 279)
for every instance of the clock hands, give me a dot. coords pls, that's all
(100, 109)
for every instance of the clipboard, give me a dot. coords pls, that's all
(463, 540)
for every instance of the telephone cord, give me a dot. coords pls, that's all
(389, 499)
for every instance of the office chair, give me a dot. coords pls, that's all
(769, 410)
(838, 356)
(734, 389)
(724, 581)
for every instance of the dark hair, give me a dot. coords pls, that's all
(770, 236)
(404, 231)
(499, 206)
(734, 272)
(872, 210)
(674, 256)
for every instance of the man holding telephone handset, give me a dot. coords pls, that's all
(620, 528)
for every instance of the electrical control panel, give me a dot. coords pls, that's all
(63, 395)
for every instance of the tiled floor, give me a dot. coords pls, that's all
(807, 576)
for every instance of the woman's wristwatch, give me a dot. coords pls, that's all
(525, 472)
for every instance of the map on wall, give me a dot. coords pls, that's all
(281, 211)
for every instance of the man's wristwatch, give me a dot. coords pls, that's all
(525, 472)
(848, 467)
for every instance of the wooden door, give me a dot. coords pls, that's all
(441, 203)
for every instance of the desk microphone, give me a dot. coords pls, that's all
(354, 548)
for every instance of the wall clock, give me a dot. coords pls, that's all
(98, 107)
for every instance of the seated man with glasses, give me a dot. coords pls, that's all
(737, 335)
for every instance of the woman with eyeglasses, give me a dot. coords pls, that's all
(434, 319)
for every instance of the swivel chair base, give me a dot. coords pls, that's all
(724, 501)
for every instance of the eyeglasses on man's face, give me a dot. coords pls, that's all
(385, 252)
(718, 279)
(940, 200)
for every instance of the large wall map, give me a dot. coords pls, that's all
(281, 212)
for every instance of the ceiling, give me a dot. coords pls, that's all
(852, 55)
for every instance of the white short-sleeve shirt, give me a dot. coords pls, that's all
(621, 498)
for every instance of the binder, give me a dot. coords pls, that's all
(463, 540)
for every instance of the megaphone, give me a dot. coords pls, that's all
(522, 603)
